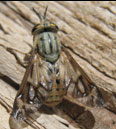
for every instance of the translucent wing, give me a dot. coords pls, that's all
(83, 87)
(29, 97)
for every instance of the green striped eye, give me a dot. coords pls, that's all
(35, 27)
(53, 25)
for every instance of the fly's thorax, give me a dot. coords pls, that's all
(48, 45)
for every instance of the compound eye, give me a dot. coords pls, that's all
(38, 26)
(53, 25)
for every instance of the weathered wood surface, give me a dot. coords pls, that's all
(88, 28)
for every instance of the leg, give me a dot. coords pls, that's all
(13, 52)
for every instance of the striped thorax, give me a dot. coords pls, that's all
(48, 45)
(46, 41)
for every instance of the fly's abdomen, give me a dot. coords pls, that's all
(55, 96)
(49, 46)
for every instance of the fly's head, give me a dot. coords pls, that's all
(44, 26)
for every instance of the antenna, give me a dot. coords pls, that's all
(44, 17)
(38, 15)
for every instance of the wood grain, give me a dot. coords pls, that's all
(87, 29)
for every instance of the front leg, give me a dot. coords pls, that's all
(14, 53)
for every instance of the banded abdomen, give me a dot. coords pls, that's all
(54, 78)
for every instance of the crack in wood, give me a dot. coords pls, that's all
(2, 28)
(108, 9)
(97, 28)
(5, 105)
(69, 48)
(23, 17)
(9, 81)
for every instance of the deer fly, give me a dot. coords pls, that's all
(50, 72)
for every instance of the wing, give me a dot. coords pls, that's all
(83, 89)
(29, 98)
